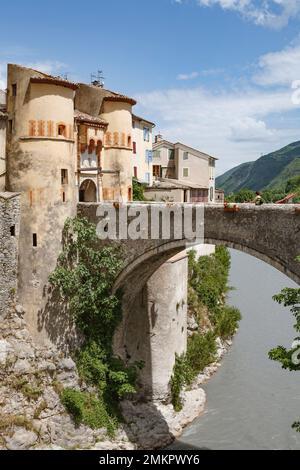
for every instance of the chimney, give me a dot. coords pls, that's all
(158, 138)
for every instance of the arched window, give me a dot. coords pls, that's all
(98, 152)
(91, 146)
(62, 130)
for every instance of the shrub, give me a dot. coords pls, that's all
(84, 279)
(227, 321)
(201, 352)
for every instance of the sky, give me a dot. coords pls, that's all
(219, 75)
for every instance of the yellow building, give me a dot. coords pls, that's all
(65, 142)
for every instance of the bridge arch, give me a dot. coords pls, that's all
(152, 329)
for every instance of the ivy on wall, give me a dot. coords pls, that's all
(85, 276)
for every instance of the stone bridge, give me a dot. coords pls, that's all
(154, 283)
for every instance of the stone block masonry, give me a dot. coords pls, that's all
(9, 238)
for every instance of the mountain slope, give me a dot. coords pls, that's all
(270, 171)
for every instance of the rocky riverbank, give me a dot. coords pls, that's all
(32, 416)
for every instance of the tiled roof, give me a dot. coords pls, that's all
(118, 97)
(84, 117)
(170, 183)
(54, 81)
(138, 118)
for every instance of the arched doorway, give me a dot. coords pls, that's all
(88, 191)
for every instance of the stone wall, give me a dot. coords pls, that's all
(9, 235)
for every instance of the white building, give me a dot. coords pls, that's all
(142, 149)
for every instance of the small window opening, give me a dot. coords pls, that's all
(10, 126)
(62, 130)
(64, 176)
(13, 230)
(64, 197)
(34, 239)
(14, 89)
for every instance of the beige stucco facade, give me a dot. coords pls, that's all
(142, 158)
(65, 142)
(187, 165)
(36, 156)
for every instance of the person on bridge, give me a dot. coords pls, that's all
(258, 200)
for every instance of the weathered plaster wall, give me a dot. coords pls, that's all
(34, 164)
(117, 155)
(9, 236)
(3, 121)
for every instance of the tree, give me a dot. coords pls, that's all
(138, 190)
(289, 358)
(244, 195)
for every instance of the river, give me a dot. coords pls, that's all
(251, 401)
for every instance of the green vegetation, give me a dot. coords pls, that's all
(269, 195)
(208, 284)
(271, 171)
(84, 278)
(138, 190)
(289, 358)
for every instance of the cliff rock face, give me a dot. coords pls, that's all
(31, 376)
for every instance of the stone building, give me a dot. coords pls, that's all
(142, 161)
(65, 142)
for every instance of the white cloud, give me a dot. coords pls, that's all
(271, 13)
(187, 76)
(248, 129)
(229, 125)
(279, 68)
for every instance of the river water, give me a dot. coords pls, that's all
(251, 401)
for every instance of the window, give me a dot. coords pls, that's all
(211, 194)
(156, 171)
(13, 231)
(135, 171)
(171, 154)
(148, 156)
(156, 154)
(134, 147)
(129, 194)
(14, 89)
(62, 130)
(64, 176)
(185, 155)
(185, 172)
(34, 239)
(129, 141)
(147, 177)
(64, 196)
(147, 134)
(10, 126)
